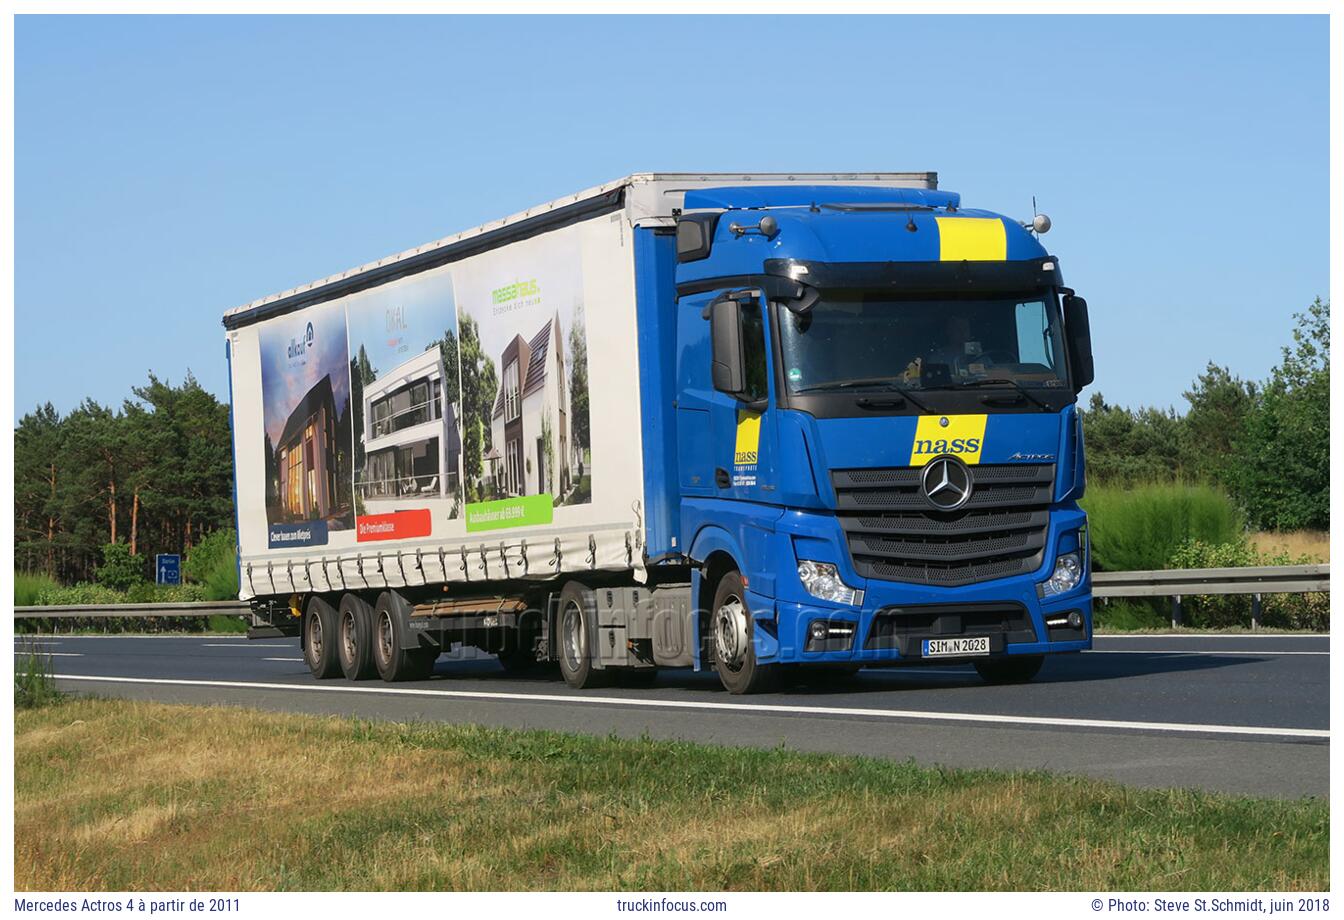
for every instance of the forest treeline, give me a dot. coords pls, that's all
(155, 473)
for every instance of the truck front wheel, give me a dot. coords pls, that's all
(734, 649)
(319, 639)
(1017, 669)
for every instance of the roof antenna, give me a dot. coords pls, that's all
(1039, 222)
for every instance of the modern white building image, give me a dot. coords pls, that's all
(412, 446)
(529, 426)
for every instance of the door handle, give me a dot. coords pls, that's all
(721, 478)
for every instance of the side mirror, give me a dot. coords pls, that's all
(1079, 333)
(727, 363)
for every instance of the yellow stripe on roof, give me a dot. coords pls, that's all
(971, 239)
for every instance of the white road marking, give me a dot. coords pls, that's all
(19, 651)
(762, 708)
(1172, 651)
(1289, 635)
(282, 659)
(238, 645)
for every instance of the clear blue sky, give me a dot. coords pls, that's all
(168, 169)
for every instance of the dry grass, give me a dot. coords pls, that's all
(123, 795)
(1296, 544)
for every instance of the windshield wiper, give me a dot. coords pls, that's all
(886, 383)
(890, 383)
(1002, 381)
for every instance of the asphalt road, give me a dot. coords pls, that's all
(1245, 714)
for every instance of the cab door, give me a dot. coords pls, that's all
(743, 423)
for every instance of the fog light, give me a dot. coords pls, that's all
(822, 579)
(1066, 576)
(830, 635)
(1075, 620)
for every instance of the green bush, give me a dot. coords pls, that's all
(148, 593)
(81, 593)
(1283, 611)
(120, 570)
(28, 586)
(213, 564)
(1142, 527)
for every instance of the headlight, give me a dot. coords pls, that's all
(1068, 573)
(822, 579)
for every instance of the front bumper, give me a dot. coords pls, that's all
(894, 618)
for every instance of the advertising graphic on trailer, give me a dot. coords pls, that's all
(523, 342)
(305, 381)
(405, 396)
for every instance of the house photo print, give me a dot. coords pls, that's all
(524, 353)
(406, 396)
(305, 380)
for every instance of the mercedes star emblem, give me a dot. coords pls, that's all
(947, 483)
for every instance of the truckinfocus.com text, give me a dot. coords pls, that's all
(655, 905)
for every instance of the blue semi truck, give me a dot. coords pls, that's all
(780, 426)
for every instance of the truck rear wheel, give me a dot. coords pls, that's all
(1017, 669)
(356, 638)
(393, 662)
(578, 608)
(734, 649)
(319, 639)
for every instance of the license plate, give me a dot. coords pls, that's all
(943, 648)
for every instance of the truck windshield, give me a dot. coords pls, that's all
(864, 340)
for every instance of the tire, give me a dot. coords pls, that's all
(355, 632)
(393, 662)
(1017, 669)
(319, 639)
(734, 650)
(578, 608)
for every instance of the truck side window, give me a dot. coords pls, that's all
(753, 351)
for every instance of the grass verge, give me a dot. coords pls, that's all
(33, 683)
(126, 795)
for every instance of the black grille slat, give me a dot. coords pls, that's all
(894, 534)
(947, 550)
(929, 525)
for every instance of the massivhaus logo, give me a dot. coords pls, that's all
(300, 346)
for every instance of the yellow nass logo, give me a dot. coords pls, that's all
(748, 437)
(962, 436)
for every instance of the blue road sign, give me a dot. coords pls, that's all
(168, 569)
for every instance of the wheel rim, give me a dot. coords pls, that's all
(348, 636)
(572, 633)
(315, 637)
(384, 638)
(730, 633)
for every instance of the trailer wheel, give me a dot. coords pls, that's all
(578, 607)
(734, 650)
(393, 662)
(356, 638)
(1017, 669)
(319, 639)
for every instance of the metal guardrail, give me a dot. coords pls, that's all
(1174, 583)
(79, 611)
(1255, 580)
